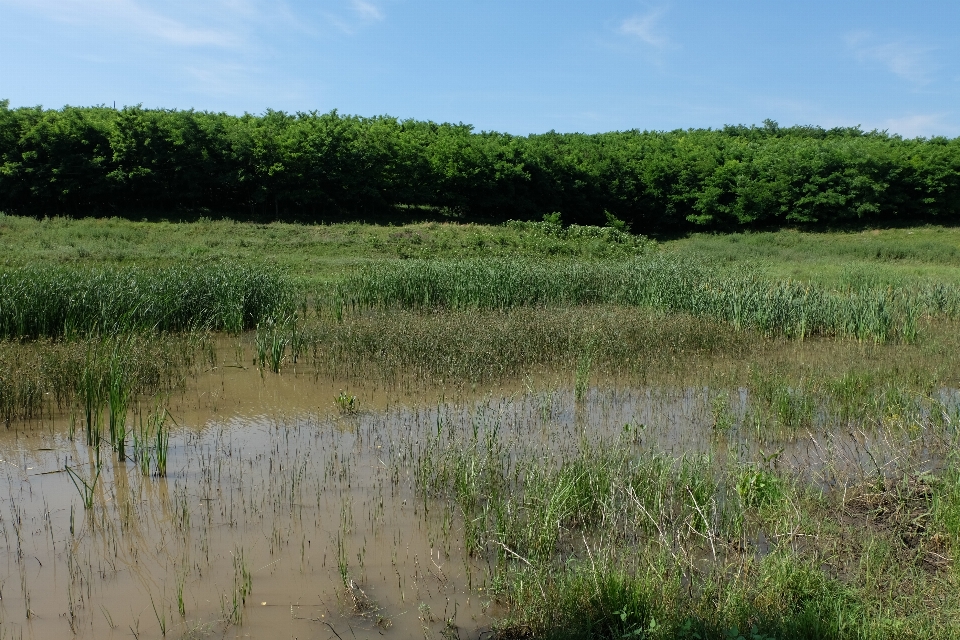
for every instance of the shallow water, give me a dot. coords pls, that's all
(267, 478)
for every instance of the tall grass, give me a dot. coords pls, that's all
(91, 375)
(614, 540)
(490, 344)
(53, 301)
(664, 282)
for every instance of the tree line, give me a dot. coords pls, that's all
(322, 166)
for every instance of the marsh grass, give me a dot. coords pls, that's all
(273, 338)
(614, 538)
(347, 404)
(157, 422)
(487, 345)
(242, 588)
(663, 282)
(151, 441)
(53, 301)
(85, 487)
(119, 389)
(93, 375)
(616, 541)
(781, 385)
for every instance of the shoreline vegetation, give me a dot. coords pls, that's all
(747, 436)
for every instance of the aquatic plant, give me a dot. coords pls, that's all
(54, 300)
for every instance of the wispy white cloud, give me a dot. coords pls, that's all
(133, 17)
(646, 28)
(367, 10)
(906, 60)
(355, 16)
(925, 124)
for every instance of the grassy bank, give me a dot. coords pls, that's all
(873, 257)
(320, 252)
(314, 253)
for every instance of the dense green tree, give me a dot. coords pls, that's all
(312, 166)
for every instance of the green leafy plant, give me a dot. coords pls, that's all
(346, 404)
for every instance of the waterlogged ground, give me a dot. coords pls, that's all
(291, 504)
(284, 513)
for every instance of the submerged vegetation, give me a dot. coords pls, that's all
(528, 430)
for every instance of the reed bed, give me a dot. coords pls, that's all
(95, 378)
(54, 301)
(663, 282)
(488, 345)
(767, 385)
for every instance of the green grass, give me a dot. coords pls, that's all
(322, 252)
(664, 282)
(615, 539)
(878, 257)
(64, 300)
(314, 253)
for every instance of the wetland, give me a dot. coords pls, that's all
(550, 433)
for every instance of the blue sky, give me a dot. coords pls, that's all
(521, 66)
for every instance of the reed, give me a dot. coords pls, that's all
(119, 390)
(92, 374)
(663, 282)
(142, 437)
(242, 587)
(479, 345)
(161, 446)
(53, 301)
(90, 388)
(272, 339)
(151, 441)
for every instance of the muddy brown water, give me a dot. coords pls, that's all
(269, 484)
